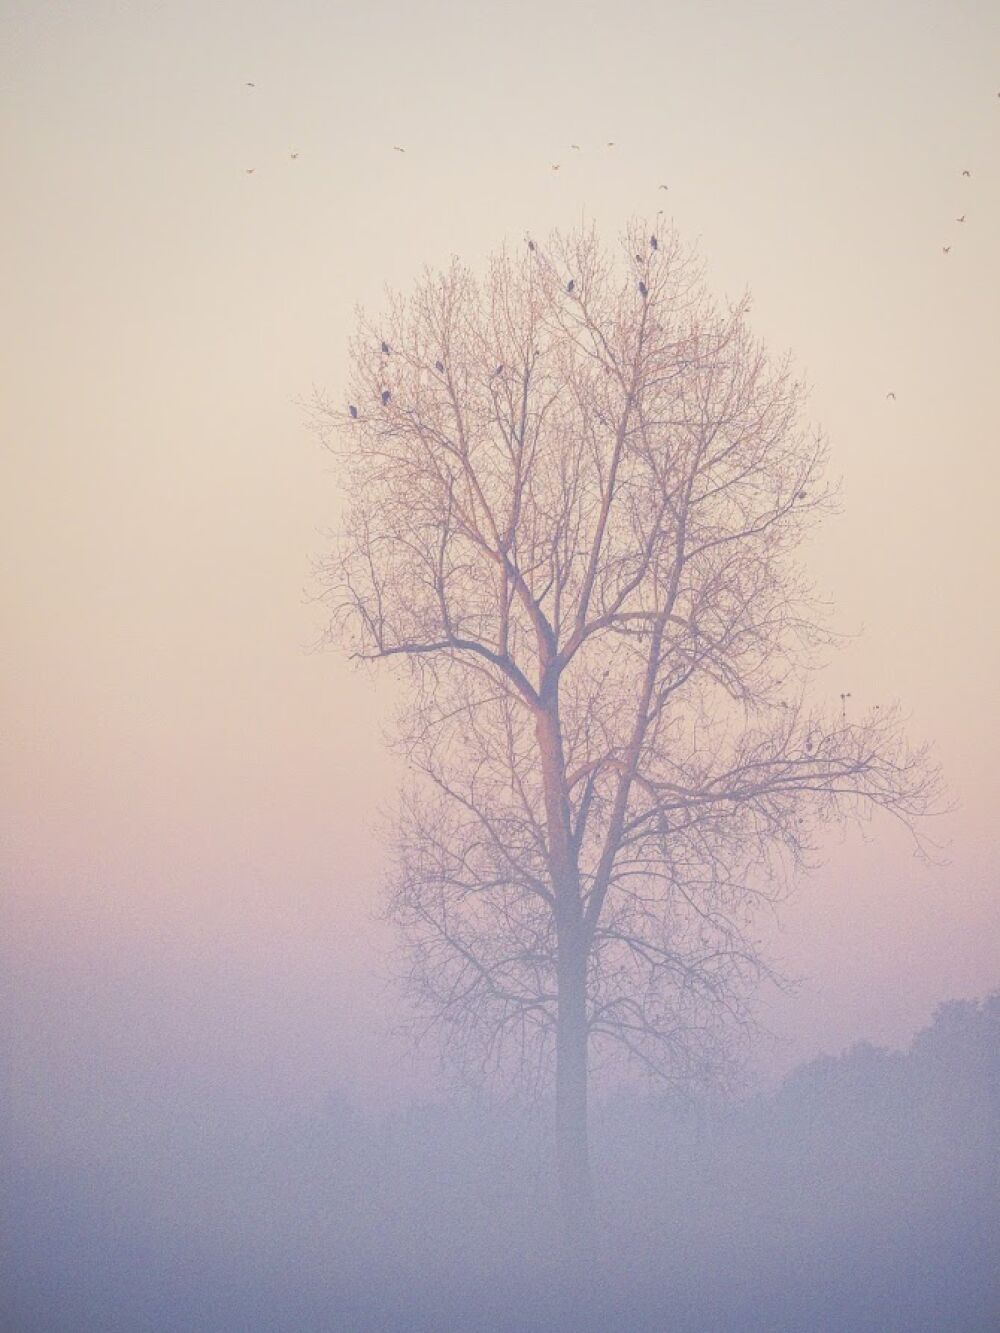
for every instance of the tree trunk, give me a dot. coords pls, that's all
(576, 1198)
(576, 1201)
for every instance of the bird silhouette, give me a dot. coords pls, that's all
(576, 146)
(664, 187)
(611, 143)
(639, 259)
(386, 395)
(654, 244)
(570, 285)
(248, 84)
(353, 411)
(293, 156)
(531, 245)
(555, 166)
(251, 170)
(498, 371)
(891, 395)
(643, 290)
(961, 219)
(386, 349)
(396, 148)
(946, 249)
(966, 173)
(439, 367)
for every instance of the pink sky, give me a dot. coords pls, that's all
(187, 790)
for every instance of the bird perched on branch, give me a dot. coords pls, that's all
(643, 290)
(570, 285)
(386, 395)
(353, 411)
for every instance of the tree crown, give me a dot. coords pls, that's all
(576, 489)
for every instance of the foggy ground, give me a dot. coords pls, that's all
(863, 1194)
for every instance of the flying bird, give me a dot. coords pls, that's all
(664, 187)
(386, 395)
(555, 166)
(966, 173)
(250, 170)
(353, 411)
(396, 148)
(386, 349)
(961, 219)
(293, 156)
(570, 285)
(891, 395)
(576, 146)
(643, 290)
(248, 84)
(611, 143)
(654, 244)
(946, 249)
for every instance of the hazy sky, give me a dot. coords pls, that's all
(189, 871)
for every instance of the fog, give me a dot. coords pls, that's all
(211, 1115)
(862, 1193)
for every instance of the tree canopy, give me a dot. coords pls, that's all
(577, 491)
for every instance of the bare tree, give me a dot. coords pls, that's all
(576, 489)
